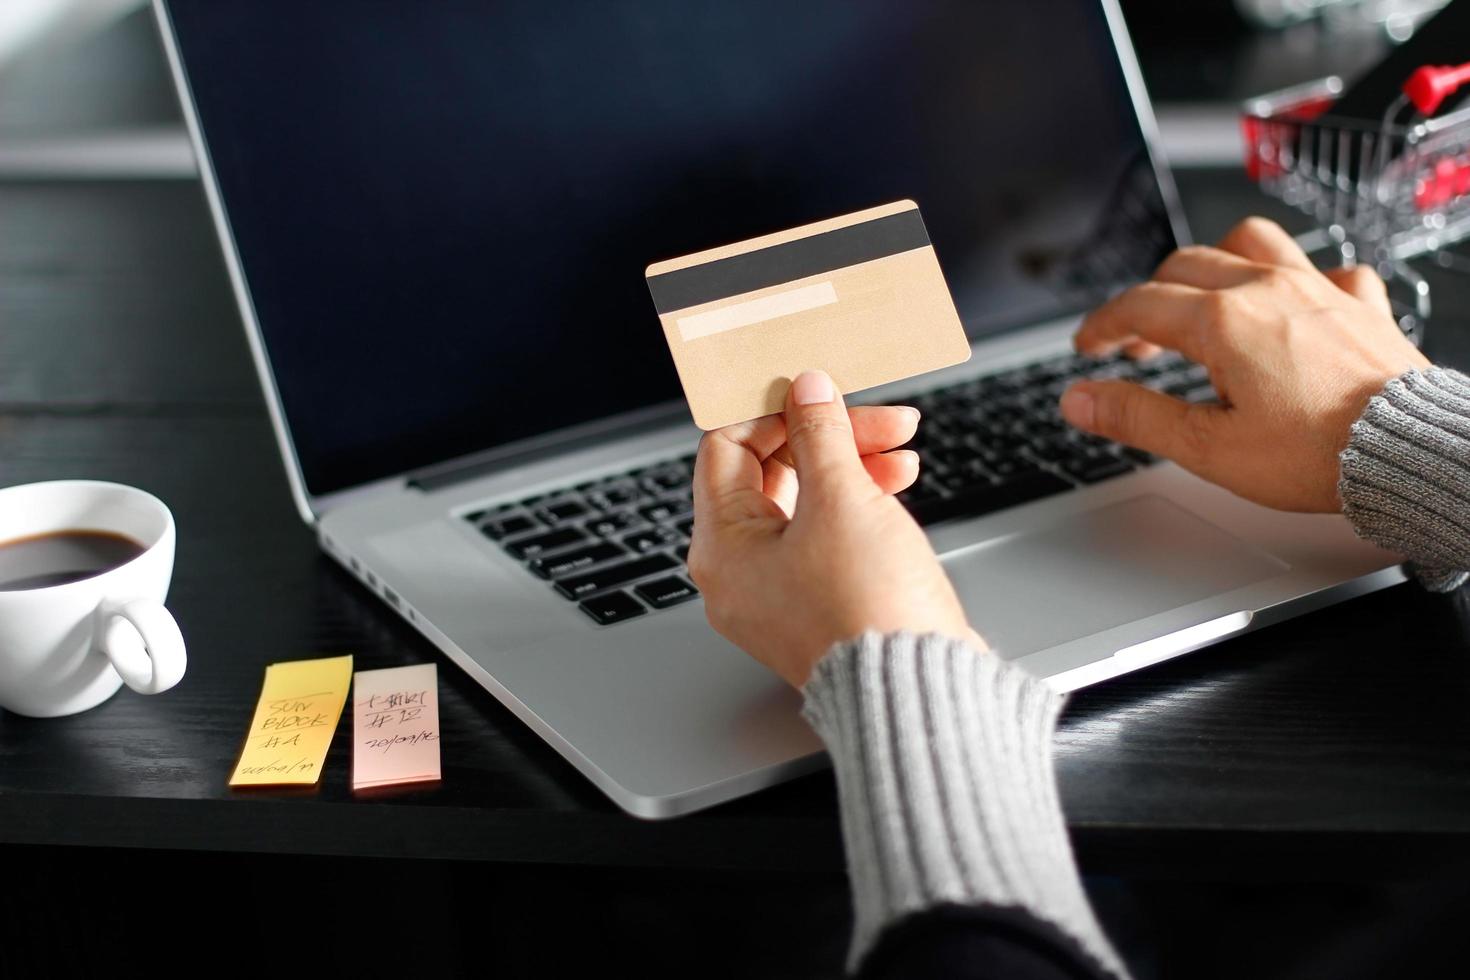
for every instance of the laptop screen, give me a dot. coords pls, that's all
(443, 211)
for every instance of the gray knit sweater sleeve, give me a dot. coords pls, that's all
(944, 773)
(1406, 474)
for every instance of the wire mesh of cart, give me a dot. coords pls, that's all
(1380, 194)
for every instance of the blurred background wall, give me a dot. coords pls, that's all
(84, 91)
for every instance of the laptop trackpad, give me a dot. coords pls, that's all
(1097, 570)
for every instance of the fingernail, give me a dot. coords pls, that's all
(811, 388)
(1078, 408)
(911, 410)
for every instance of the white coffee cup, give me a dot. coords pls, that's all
(68, 647)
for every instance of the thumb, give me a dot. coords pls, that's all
(820, 435)
(1147, 419)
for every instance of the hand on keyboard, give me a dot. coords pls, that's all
(1294, 355)
(822, 553)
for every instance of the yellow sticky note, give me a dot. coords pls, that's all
(299, 707)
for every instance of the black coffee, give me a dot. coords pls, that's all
(65, 556)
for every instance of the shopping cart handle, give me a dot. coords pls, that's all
(1429, 86)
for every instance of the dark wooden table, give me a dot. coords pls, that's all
(1334, 746)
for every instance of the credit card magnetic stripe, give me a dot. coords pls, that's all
(788, 261)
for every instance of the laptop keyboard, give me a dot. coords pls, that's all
(617, 546)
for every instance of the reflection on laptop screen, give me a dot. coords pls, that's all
(443, 211)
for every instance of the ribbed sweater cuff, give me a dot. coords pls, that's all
(944, 771)
(1406, 474)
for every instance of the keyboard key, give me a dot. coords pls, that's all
(1162, 363)
(1052, 449)
(568, 562)
(1099, 468)
(1196, 372)
(579, 586)
(498, 509)
(504, 527)
(1173, 382)
(561, 510)
(976, 471)
(612, 523)
(1178, 385)
(661, 511)
(666, 592)
(1012, 467)
(686, 528)
(919, 493)
(683, 553)
(662, 480)
(956, 456)
(1087, 440)
(957, 480)
(539, 544)
(617, 495)
(986, 499)
(615, 607)
(1110, 372)
(993, 444)
(1138, 456)
(651, 539)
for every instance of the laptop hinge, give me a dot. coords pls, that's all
(442, 475)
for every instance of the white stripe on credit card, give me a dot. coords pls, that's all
(757, 310)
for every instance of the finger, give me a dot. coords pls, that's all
(1364, 283)
(1162, 313)
(729, 467)
(893, 472)
(1141, 350)
(875, 429)
(1206, 268)
(1261, 240)
(821, 440)
(779, 483)
(879, 428)
(1152, 421)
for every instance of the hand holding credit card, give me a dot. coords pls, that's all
(861, 297)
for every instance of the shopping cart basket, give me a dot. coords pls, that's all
(1380, 194)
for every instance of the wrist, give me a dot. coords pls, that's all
(1403, 479)
(963, 634)
(1356, 404)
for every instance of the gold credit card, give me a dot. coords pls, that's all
(860, 297)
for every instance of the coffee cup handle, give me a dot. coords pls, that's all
(144, 644)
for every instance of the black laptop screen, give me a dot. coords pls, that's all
(443, 210)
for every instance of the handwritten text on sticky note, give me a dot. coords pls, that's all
(299, 707)
(395, 728)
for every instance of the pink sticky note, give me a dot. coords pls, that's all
(395, 727)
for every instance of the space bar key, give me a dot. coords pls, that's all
(975, 501)
(578, 586)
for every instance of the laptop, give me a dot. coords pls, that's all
(437, 218)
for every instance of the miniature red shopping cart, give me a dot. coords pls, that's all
(1380, 195)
